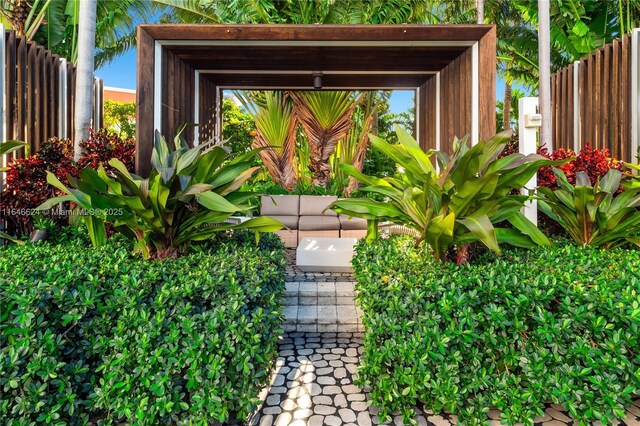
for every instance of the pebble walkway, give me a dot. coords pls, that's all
(312, 382)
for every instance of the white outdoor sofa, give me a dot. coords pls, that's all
(304, 216)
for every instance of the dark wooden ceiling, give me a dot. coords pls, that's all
(318, 58)
(329, 81)
(372, 56)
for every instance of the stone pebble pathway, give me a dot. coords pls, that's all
(312, 381)
(312, 385)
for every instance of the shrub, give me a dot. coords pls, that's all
(120, 117)
(104, 145)
(89, 335)
(455, 206)
(594, 162)
(26, 185)
(187, 198)
(559, 324)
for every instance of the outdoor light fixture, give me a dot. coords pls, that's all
(317, 80)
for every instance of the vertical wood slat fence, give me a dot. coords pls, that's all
(38, 91)
(594, 101)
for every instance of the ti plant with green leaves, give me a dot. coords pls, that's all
(594, 214)
(7, 148)
(456, 206)
(187, 197)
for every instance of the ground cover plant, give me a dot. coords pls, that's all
(551, 323)
(99, 335)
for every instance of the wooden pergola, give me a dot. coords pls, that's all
(183, 70)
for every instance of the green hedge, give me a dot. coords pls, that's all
(559, 324)
(89, 335)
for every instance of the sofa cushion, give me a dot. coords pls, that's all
(279, 205)
(318, 223)
(313, 205)
(290, 222)
(353, 223)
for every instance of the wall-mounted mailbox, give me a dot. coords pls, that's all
(533, 120)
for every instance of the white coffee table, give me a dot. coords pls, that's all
(325, 254)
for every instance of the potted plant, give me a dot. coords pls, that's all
(42, 225)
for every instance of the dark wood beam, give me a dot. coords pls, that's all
(318, 32)
(329, 81)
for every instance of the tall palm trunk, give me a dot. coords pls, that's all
(480, 11)
(544, 87)
(84, 79)
(506, 114)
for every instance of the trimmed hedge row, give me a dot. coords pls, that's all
(89, 335)
(559, 324)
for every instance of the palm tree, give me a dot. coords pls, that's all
(326, 118)
(84, 73)
(301, 12)
(275, 134)
(25, 18)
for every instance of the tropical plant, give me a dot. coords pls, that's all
(594, 214)
(326, 118)
(54, 24)
(275, 134)
(187, 197)
(456, 206)
(24, 17)
(301, 12)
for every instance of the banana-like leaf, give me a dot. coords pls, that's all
(481, 227)
(187, 159)
(439, 234)
(368, 209)
(216, 202)
(8, 237)
(48, 205)
(526, 227)
(96, 229)
(10, 146)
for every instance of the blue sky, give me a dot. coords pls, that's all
(122, 73)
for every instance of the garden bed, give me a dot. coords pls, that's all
(556, 323)
(89, 334)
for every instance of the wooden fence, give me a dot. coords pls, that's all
(595, 100)
(38, 91)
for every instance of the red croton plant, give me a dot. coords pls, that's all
(26, 186)
(594, 162)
